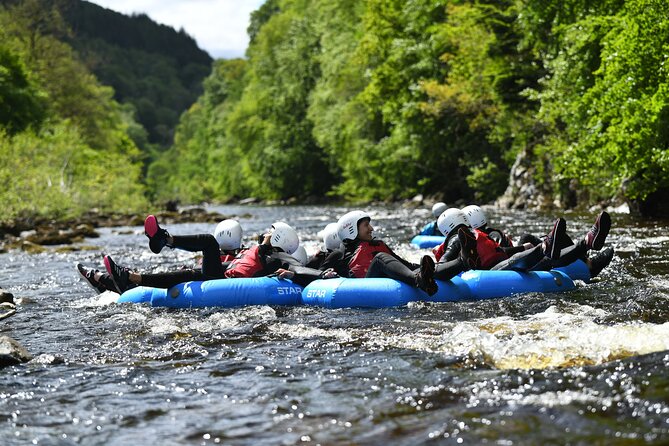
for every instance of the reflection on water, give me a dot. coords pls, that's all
(588, 366)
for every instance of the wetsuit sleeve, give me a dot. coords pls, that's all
(511, 250)
(337, 261)
(452, 251)
(304, 275)
(317, 260)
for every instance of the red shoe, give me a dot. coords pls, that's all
(157, 235)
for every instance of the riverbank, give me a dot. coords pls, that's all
(36, 234)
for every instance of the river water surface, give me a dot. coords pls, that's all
(584, 367)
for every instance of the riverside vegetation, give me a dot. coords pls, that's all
(357, 100)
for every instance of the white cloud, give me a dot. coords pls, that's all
(218, 26)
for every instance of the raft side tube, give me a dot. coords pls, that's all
(427, 241)
(495, 284)
(577, 270)
(359, 293)
(452, 290)
(228, 293)
(141, 294)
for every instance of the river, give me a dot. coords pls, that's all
(584, 367)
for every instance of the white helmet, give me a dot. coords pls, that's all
(450, 219)
(475, 216)
(228, 234)
(347, 225)
(301, 255)
(438, 208)
(331, 237)
(284, 237)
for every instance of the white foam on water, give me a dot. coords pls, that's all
(165, 325)
(101, 300)
(653, 241)
(231, 319)
(557, 339)
(545, 340)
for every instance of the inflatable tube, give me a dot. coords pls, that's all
(471, 285)
(356, 293)
(226, 293)
(427, 241)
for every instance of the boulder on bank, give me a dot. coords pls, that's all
(6, 297)
(12, 353)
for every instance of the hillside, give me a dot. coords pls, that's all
(153, 67)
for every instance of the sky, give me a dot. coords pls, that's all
(218, 26)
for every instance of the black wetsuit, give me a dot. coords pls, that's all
(316, 261)
(388, 265)
(271, 259)
(382, 265)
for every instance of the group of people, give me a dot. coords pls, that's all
(351, 250)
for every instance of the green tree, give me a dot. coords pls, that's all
(21, 103)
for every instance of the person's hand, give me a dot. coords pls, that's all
(329, 274)
(282, 273)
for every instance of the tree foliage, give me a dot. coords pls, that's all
(71, 151)
(364, 100)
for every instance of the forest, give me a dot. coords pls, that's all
(357, 101)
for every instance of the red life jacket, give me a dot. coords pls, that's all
(363, 255)
(489, 252)
(227, 258)
(224, 258)
(504, 240)
(246, 264)
(439, 251)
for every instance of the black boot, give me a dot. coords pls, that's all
(555, 239)
(468, 252)
(601, 261)
(596, 236)
(425, 276)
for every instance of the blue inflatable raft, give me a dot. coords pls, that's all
(471, 285)
(226, 293)
(427, 241)
(356, 293)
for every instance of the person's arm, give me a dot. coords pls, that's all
(316, 260)
(336, 261)
(303, 276)
(452, 251)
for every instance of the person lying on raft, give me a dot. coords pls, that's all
(363, 256)
(481, 252)
(271, 257)
(477, 220)
(331, 243)
(571, 251)
(431, 228)
(225, 243)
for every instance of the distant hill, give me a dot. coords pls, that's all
(153, 67)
